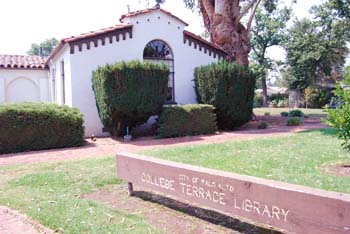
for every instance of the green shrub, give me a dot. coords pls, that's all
(267, 114)
(263, 125)
(317, 97)
(278, 97)
(187, 120)
(283, 103)
(128, 93)
(229, 88)
(284, 113)
(294, 121)
(296, 113)
(258, 100)
(339, 118)
(36, 126)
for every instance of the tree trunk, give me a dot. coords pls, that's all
(297, 98)
(234, 41)
(264, 91)
(222, 20)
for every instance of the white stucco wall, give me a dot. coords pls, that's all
(20, 85)
(146, 27)
(56, 81)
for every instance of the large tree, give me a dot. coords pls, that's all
(46, 47)
(315, 54)
(223, 20)
(269, 29)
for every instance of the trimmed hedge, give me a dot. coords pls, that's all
(128, 93)
(37, 126)
(229, 87)
(187, 120)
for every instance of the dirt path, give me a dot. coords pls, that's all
(110, 146)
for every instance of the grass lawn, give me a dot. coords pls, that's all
(277, 111)
(296, 159)
(51, 194)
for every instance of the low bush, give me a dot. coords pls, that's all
(279, 104)
(267, 114)
(258, 100)
(296, 113)
(37, 126)
(128, 93)
(339, 117)
(294, 121)
(284, 113)
(229, 87)
(278, 100)
(187, 120)
(263, 125)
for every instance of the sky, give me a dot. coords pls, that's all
(23, 22)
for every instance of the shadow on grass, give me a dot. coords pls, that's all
(323, 131)
(205, 214)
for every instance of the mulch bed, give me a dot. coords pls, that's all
(276, 121)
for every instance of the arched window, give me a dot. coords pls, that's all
(158, 51)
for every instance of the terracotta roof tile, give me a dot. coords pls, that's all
(149, 10)
(84, 36)
(22, 61)
(96, 33)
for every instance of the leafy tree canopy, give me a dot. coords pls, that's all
(268, 30)
(46, 46)
(316, 50)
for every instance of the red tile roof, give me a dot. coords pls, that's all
(149, 10)
(96, 33)
(22, 61)
(85, 36)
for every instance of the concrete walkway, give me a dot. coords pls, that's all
(12, 222)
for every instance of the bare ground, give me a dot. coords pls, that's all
(338, 170)
(174, 216)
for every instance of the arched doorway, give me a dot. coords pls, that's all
(22, 90)
(157, 51)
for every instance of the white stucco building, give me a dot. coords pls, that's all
(65, 76)
(23, 78)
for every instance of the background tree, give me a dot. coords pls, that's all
(347, 75)
(316, 53)
(47, 46)
(268, 30)
(341, 9)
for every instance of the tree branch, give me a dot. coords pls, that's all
(246, 9)
(249, 24)
(206, 19)
(208, 6)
